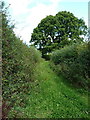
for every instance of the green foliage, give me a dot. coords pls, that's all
(30, 87)
(18, 66)
(47, 56)
(54, 32)
(74, 63)
(51, 98)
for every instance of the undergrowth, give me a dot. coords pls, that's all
(51, 98)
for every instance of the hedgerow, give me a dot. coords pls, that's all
(73, 62)
(18, 66)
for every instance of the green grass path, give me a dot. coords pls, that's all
(52, 98)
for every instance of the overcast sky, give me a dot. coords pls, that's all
(28, 13)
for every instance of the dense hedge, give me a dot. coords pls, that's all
(73, 62)
(18, 66)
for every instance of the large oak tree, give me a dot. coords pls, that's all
(54, 32)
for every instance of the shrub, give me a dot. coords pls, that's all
(73, 62)
(18, 66)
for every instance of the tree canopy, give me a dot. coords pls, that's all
(54, 32)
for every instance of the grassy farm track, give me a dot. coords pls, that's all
(51, 98)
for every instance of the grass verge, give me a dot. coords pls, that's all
(51, 98)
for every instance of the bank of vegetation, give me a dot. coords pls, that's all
(73, 62)
(18, 65)
(35, 88)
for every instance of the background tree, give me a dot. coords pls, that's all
(54, 32)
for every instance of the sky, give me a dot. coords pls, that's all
(27, 14)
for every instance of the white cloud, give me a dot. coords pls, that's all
(25, 27)
(36, 14)
(39, 12)
(27, 17)
(19, 6)
(55, 1)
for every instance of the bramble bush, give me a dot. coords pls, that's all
(73, 62)
(18, 66)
